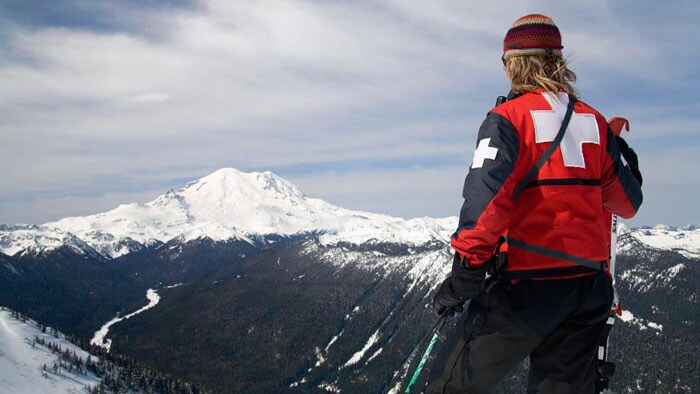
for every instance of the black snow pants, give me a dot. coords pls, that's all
(557, 323)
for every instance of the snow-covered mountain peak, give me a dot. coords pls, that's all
(232, 185)
(225, 204)
(229, 203)
(253, 202)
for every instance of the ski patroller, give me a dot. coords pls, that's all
(608, 231)
(605, 369)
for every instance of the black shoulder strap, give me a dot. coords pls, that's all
(557, 140)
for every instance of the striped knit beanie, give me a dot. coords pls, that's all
(530, 35)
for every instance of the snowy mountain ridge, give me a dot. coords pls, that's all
(227, 204)
(230, 204)
(684, 240)
(38, 238)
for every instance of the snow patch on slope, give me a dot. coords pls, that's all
(319, 357)
(332, 341)
(642, 324)
(361, 353)
(332, 388)
(426, 267)
(641, 279)
(673, 271)
(21, 363)
(373, 356)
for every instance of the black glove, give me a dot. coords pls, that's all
(631, 157)
(463, 284)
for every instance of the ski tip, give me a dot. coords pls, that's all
(617, 124)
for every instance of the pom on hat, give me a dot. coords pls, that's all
(530, 35)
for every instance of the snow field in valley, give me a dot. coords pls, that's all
(99, 338)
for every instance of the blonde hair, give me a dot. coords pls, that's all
(548, 71)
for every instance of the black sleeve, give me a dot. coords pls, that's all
(488, 190)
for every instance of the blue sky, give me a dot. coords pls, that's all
(371, 105)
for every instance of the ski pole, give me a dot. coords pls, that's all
(436, 333)
(433, 334)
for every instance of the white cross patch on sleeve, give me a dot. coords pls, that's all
(483, 152)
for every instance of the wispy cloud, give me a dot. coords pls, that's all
(149, 98)
(363, 90)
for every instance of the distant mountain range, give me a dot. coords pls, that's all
(230, 204)
(279, 292)
(227, 204)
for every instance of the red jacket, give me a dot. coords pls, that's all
(561, 210)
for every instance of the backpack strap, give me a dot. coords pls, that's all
(596, 265)
(555, 144)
